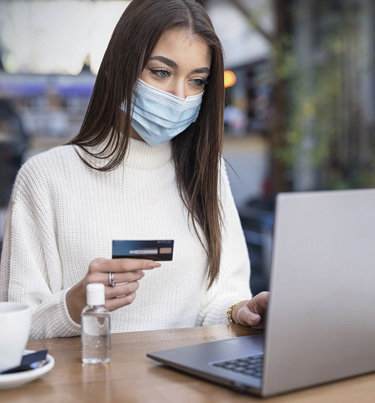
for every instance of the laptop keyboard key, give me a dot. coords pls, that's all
(251, 365)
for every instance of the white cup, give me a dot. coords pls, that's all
(15, 322)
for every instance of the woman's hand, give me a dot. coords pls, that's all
(252, 312)
(127, 273)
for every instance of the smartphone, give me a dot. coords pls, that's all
(143, 249)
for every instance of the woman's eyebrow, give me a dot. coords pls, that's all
(172, 64)
(202, 70)
(165, 60)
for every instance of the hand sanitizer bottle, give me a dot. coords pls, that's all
(95, 327)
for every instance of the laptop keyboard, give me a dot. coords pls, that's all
(252, 365)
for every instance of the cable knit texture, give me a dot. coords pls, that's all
(62, 215)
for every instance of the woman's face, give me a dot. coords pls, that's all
(179, 64)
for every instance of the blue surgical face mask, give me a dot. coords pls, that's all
(158, 116)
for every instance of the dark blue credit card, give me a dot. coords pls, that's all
(148, 249)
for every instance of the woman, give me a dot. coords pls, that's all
(146, 164)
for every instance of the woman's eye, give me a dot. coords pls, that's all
(161, 73)
(199, 82)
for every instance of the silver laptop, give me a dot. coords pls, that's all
(321, 316)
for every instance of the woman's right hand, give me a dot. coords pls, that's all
(127, 273)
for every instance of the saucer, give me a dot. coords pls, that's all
(8, 381)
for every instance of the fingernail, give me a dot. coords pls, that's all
(152, 265)
(256, 318)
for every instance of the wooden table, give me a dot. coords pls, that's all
(133, 377)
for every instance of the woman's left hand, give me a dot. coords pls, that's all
(252, 312)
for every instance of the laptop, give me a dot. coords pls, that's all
(321, 316)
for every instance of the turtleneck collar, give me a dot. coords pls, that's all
(140, 155)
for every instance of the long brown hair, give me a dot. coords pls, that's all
(196, 151)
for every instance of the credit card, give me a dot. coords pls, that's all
(146, 249)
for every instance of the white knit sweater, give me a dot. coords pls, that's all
(62, 215)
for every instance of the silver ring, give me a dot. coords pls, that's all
(111, 278)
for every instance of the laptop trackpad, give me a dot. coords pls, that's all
(243, 346)
(205, 353)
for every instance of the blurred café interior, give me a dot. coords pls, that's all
(300, 108)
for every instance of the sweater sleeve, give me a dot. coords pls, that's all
(31, 269)
(233, 282)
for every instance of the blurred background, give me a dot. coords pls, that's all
(300, 84)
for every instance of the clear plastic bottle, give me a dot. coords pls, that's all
(95, 327)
